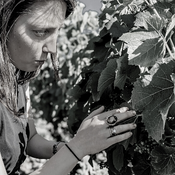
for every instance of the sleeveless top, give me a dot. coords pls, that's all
(14, 132)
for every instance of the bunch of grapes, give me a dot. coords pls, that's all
(145, 146)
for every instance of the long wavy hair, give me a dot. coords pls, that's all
(10, 76)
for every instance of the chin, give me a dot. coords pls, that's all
(28, 69)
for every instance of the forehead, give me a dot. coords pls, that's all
(45, 13)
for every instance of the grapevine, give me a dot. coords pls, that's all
(132, 64)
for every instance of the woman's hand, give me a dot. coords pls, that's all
(95, 134)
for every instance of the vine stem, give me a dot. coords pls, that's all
(172, 45)
(118, 2)
(150, 4)
(169, 50)
(137, 116)
(173, 48)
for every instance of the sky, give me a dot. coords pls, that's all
(94, 5)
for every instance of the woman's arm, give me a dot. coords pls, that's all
(60, 164)
(92, 137)
(38, 146)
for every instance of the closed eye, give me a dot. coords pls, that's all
(40, 33)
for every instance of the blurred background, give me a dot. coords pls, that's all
(92, 5)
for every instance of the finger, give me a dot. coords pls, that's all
(121, 129)
(124, 115)
(124, 128)
(96, 112)
(119, 138)
(123, 109)
(106, 114)
(112, 120)
(120, 110)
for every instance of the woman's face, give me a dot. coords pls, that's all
(34, 34)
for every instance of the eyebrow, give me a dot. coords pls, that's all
(45, 26)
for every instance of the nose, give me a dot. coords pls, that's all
(50, 45)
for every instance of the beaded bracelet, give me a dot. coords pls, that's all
(72, 152)
(55, 147)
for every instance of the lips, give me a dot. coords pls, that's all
(40, 62)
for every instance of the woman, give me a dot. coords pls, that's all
(28, 35)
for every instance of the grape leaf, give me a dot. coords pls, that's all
(133, 73)
(75, 92)
(117, 29)
(93, 83)
(149, 21)
(141, 166)
(120, 80)
(128, 19)
(164, 110)
(99, 50)
(121, 72)
(107, 76)
(118, 157)
(144, 48)
(138, 36)
(155, 23)
(135, 2)
(153, 95)
(147, 53)
(172, 111)
(163, 9)
(126, 2)
(163, 160)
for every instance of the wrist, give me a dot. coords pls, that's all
(76, 148)
(70, 149)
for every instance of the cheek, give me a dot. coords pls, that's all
(27, 47)
(18, 43)
(25, 43)
(30, 46)
(22, 46)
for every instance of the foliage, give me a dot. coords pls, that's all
(132, 63)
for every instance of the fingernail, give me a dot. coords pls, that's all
(134, 125)
(134, 112)
(123, 109)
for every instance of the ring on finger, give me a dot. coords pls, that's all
(113, 131)
(111, 120)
